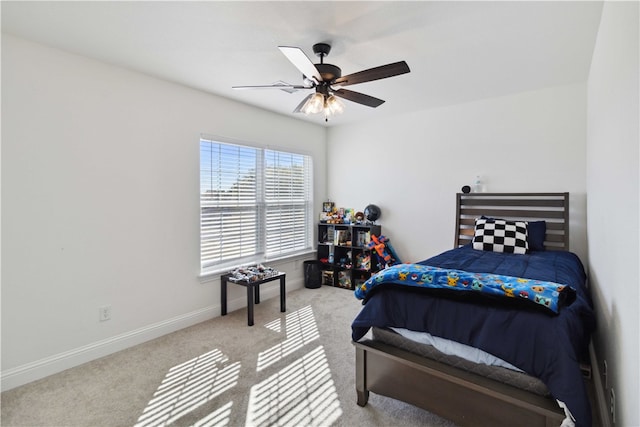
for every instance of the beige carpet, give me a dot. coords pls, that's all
(289, 369)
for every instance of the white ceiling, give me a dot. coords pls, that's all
(457, 51)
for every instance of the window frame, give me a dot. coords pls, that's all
(208, 268)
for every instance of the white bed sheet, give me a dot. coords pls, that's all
(453, 348)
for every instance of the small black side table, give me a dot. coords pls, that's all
(253, 293)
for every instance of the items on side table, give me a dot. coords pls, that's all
(252, 273)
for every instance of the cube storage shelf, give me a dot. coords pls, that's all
(344, 255)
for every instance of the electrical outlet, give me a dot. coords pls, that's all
(105, 313)
(613, 406)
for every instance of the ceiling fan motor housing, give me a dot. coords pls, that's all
(328, 72)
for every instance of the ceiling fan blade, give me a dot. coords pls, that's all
(276, 86)
(358, 97)
(298, 109)
(301, 62)
(377, 73)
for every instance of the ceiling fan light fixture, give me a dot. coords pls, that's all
(314, 105)
(333, 106)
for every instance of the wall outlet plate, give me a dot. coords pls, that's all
(104, 313)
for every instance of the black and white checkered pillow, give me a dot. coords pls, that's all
(498, 235)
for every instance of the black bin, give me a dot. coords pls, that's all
(312, 274)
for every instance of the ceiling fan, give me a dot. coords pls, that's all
(327, 80)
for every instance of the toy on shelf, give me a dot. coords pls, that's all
(384, 251)
(344, 279)
(363, 261)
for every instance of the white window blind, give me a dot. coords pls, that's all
(255, 204)
(287, 198)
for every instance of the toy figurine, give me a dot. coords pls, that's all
(384, 251)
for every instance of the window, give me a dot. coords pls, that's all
(255, 204)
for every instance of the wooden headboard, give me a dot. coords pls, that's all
(550, 207)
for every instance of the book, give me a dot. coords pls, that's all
(341, 237)
(327, 277)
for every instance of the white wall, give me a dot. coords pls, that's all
(100, 205)
(412, 165)
(613, 191)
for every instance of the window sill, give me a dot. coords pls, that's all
(214, 274)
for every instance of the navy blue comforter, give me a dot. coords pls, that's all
(547, 346)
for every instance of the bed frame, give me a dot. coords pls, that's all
(465, 398)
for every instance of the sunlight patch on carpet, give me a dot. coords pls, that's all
(300, 329)
(190, 385)
(219, 417)
(303, 393)
(275, 325)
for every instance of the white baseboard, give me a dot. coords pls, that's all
(33, 371)
(601, 400)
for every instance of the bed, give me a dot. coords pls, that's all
(550, 346)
